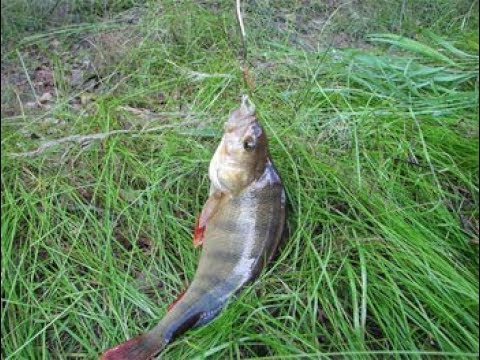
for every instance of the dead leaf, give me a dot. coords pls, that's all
(86, 98)
(46, 97)
(86, 194)
(55, 43)
(144, 243)
(44, 75)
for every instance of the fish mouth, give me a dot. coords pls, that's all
(243, 116)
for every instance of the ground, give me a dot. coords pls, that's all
(111, 112)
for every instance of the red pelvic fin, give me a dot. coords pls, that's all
(138, 348)
(179, 297)
(198, 233)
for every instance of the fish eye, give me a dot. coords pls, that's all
(249, 143)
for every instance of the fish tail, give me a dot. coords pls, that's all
(142, 347)
(181, 317)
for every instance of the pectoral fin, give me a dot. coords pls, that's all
(209, 209)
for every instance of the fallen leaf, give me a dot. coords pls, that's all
(46, 97)
(55, 43)
(86, 98)
(144, 243)
(44, 75)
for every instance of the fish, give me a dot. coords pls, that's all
(239, 229)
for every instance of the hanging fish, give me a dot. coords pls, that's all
(239, 229)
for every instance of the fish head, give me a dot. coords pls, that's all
(242, 154)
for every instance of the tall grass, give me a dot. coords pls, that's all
(378, 152)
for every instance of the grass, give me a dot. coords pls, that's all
(377, 146)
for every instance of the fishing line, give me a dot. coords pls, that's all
(248, 82)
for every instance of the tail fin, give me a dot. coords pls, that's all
(141, 347)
